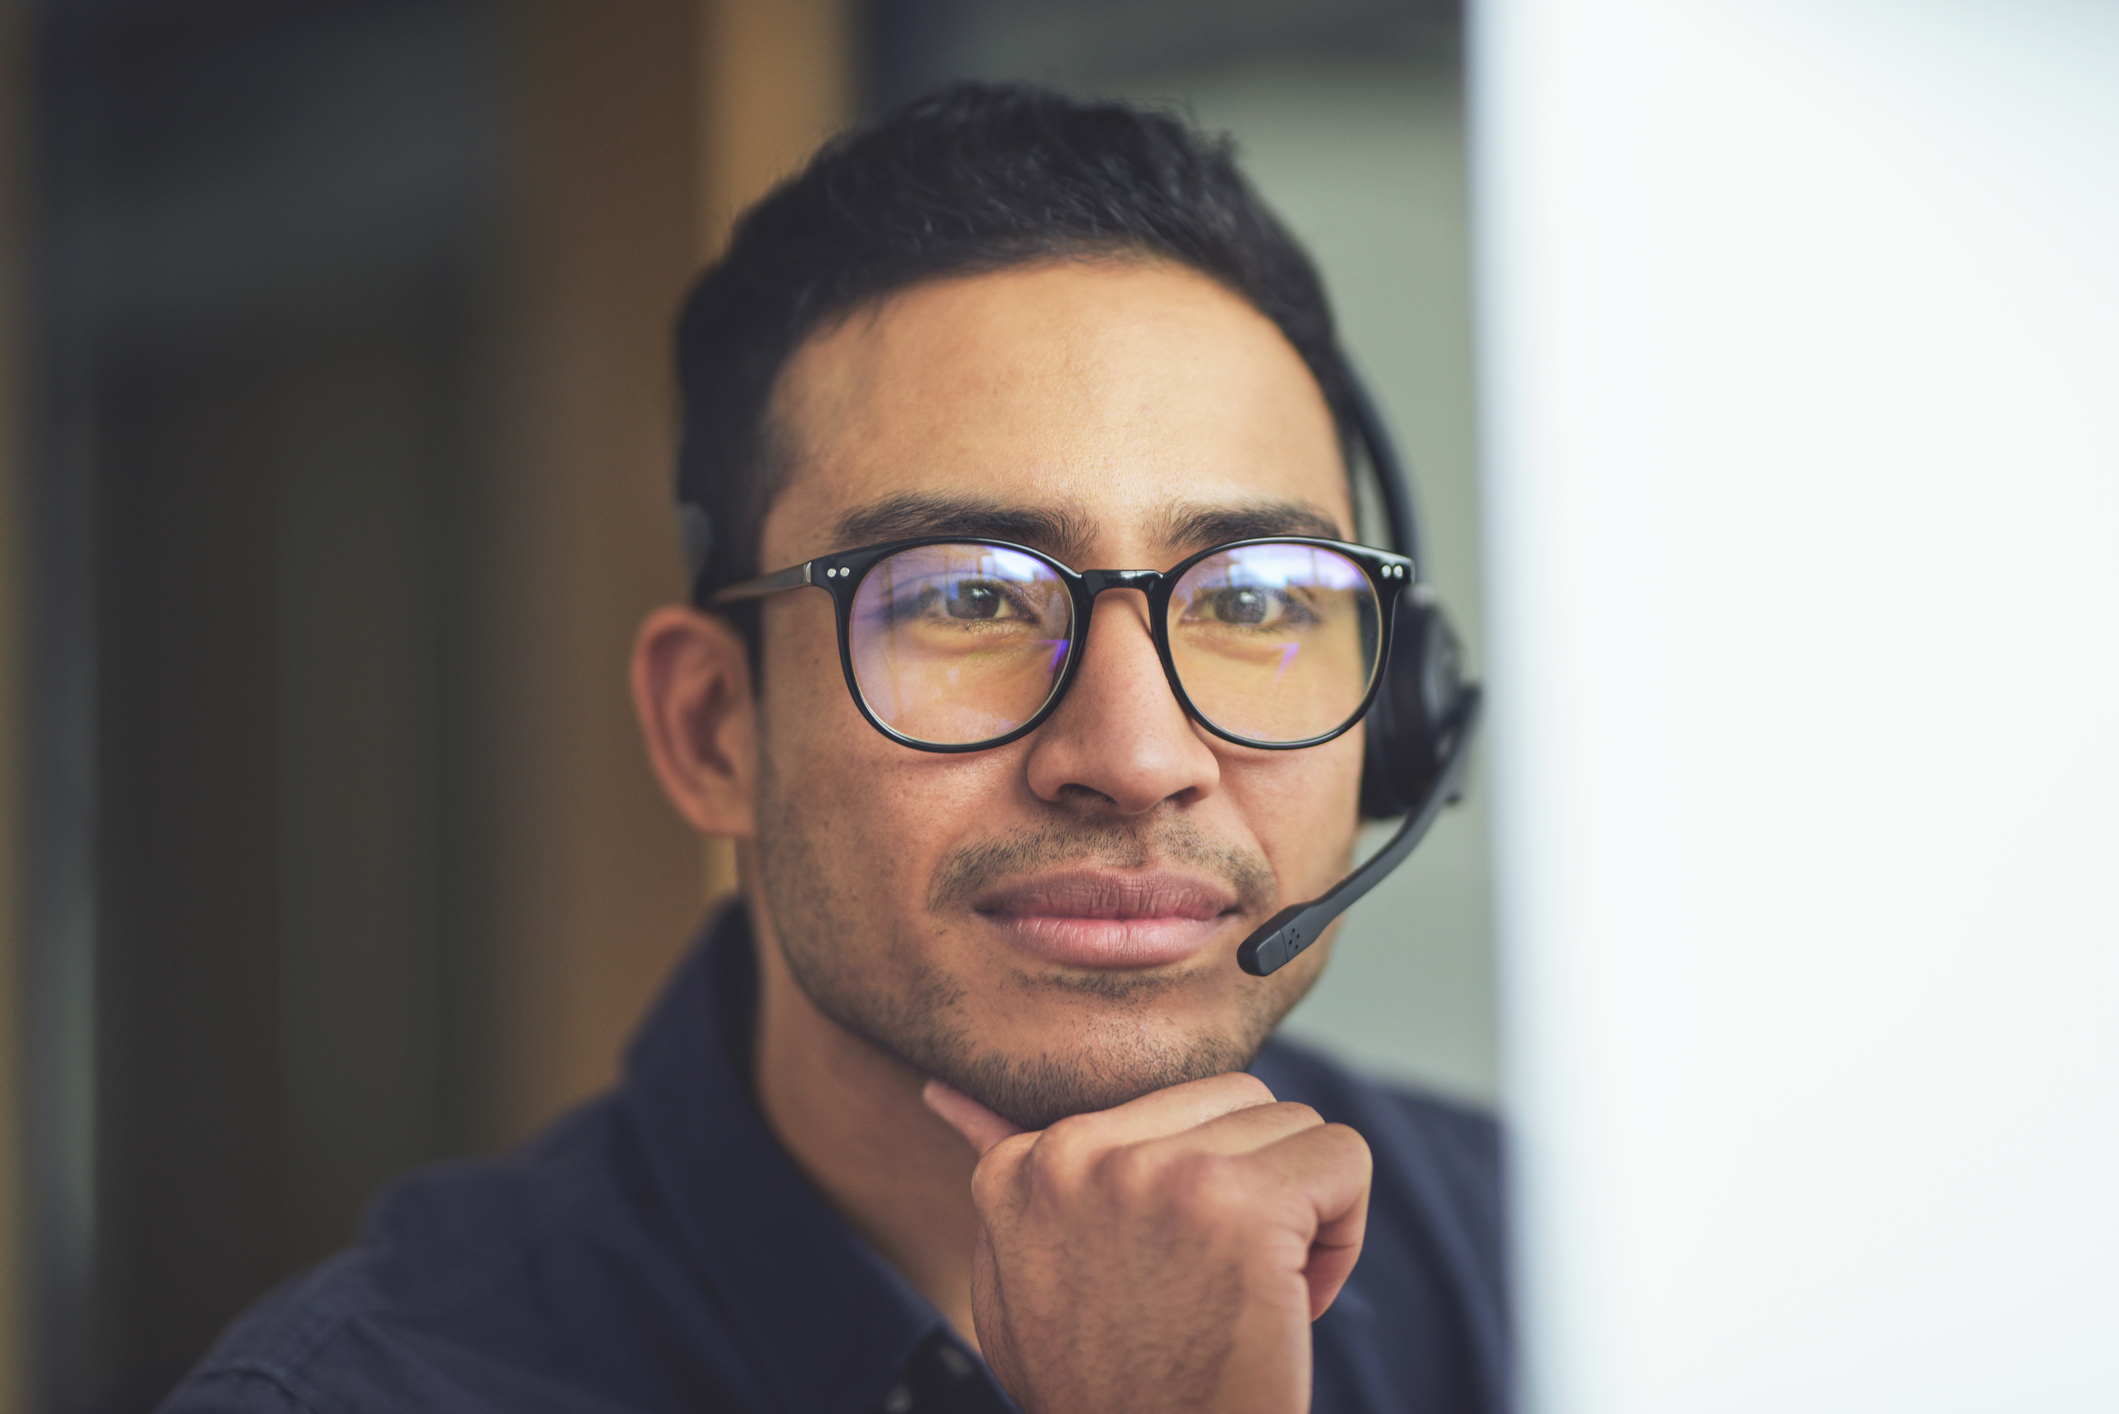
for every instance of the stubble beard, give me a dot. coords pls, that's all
(870, 975)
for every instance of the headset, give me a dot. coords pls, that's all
(1419, 725)
(1419, 728)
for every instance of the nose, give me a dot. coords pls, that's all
(1120, 734)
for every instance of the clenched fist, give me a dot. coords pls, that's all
(1167, 1254)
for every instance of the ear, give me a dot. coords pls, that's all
(691, 687)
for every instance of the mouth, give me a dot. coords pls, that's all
(1108, 919)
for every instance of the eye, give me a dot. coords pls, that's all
(958, 599)
(1245, 606)
(1241, 605)
(977, 599)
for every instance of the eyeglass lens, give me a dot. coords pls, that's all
(1274, 643)
(957, 644)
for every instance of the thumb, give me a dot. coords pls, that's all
(981, 1127)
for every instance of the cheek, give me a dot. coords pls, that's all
(801, 656)
(1304, 808)
(881, 813)
(813, 737)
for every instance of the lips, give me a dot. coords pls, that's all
(1110, 919)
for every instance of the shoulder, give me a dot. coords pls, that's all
(280, 1356)
(470, 1284)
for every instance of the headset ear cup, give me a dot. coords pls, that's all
(1415, 714)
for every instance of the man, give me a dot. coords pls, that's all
(969, 1101)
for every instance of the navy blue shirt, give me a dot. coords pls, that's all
(656, 1250)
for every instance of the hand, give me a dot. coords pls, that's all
(1166, 1254)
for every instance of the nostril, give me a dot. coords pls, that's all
(1088, 795)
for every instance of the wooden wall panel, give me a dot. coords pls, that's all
(595, 878)
(776, 79)
(650, 125)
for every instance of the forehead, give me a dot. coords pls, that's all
(1125, 397)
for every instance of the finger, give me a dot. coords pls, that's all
(1242, 1131)
(1328, 1168)
(1162, 1113)
(981, 1127)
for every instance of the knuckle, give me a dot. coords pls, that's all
(989, 1191)
(1347, 1135)
(1296, 1109)
(1129, 1171)
(999, 1174)
(1058, 1161)
(1072, 1130)
(1351, 1147)
(1064, 1146)
(1212, 1189)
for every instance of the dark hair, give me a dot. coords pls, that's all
(970, 177)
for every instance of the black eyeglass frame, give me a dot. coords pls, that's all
(841, 575)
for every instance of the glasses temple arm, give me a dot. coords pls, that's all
(793, 577)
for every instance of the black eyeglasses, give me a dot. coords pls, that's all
(957, 645)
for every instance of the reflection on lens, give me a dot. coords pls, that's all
(956, 644)
(1275, 643)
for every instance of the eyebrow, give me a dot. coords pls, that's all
(1200, 526)
(1063, 532)
(1057, 531)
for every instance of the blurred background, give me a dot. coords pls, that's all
(336, 419)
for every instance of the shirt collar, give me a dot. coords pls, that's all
(830, 1324)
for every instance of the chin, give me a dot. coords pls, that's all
(1083, 1043)
(1034, 1089)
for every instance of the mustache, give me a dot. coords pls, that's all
(973, 870)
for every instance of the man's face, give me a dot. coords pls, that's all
(1050, 925)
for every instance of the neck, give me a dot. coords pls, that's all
(851, 1117)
